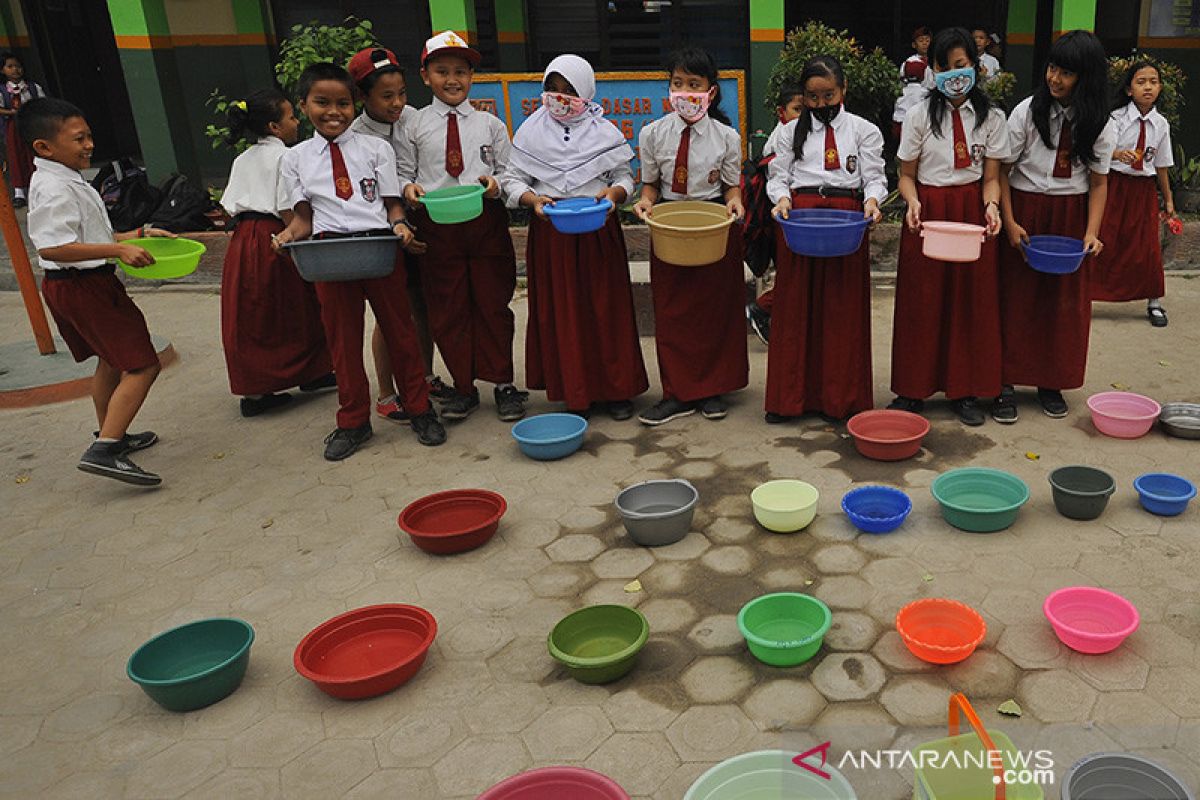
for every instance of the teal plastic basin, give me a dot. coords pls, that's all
(980, 500)
(454, 203)
(194, 665)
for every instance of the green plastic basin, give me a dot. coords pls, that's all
(769, 775)
(454, 203)
(173, 258)
(599, 644)
(194, 665)
(980, 500)
(784, 629)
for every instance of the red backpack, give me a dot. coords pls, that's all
(758, 236)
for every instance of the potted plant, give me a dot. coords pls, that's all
(1185, 182)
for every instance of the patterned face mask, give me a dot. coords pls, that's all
(955, 83)
(690, 105)
(563, 107)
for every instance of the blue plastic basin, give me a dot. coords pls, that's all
(1057, 255)
(823, 232)
(876, 509)
(1164, 494)
(550, 436)
(578, 214)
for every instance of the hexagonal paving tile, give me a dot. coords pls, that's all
(1178, 688)
(717, 679)
(710, 733)
(638, 762)
(1056, 696)
(852, 631)
(624, 564)
(983, 674)
(575, 547)
(848, 676)
(916, 700)
(783, 704)
(839, 559)
(668, 614)
(330, 769)
(505, 708)
(178, 769)
(1121, 669)
(1136, 720)
(420, 738)
(855, 726)
(1033, 647)
(276, 740)
(729, 560)
(845, 591)
(568, 733)
(479, 762)
(645, 707)
(718, 633)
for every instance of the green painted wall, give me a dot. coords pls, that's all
(1070, 15)
(452, 15)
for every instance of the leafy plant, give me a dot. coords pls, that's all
(1171, 101)
(1000, 89)
(872, 80)
(1186, 172)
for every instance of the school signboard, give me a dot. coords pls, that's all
(631, 100)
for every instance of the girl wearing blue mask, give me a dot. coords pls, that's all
(946, 335)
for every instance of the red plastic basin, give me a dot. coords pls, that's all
(556, 783)
(454, 521)
(940, 631)
(888, 435)
(367, 651)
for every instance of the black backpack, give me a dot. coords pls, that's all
(759, 235)
(183, 206)
(127, 194)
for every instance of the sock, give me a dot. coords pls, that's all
(19, 193)
(390, 398)
(102, 440)
(1155, 302)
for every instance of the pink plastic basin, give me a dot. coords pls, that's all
(1123, 415)
(556, 783)
(1090, 620)
(952, 241)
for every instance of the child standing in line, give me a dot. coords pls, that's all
(921, 39)
(69, 226)
(344, 184)
(912, 75)
(1061, 142)
(989, 65)
(1132, 268)
(582, 343)
(469, 272)
(820, 356)
(384, 92)
(270, 316)
(699, 313)
(15, 91)
(946, 335)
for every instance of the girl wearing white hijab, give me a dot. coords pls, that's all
(582, 344)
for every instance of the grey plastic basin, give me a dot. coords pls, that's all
(1081, 492)
(659, 512)
(348, 259)
(1117, 776)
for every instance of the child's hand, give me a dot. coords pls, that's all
(406, 235)
(491, 189)
(413, 194)
(157, 233)
(1017, 235)
(871, 210)
(285, 236)
(782, 208)
(614, 195)
(991, 215)
(642, 207)
(1092, 245)
(912, 217)
(1125, 156)
(736, 209)
(539, 205)
(134, 256)
(417, 248)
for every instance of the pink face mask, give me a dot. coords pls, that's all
(690, 105)
(564, 107)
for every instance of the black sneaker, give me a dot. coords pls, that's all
(19, 202)
(510, 402)
(108, 460)
(326, 381)
(461, 406)
(429, 431)
(968, 411)
(344, 441)
(713, 408)
(253, 406)
(620, 410)
(132, 442)
(1157, 316)
(439, 392)
(776, 419)
(1004, 407)
(1053, 403)
(760, 321)
(665, 410)
(907, 404)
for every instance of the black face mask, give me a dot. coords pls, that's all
(826, 113)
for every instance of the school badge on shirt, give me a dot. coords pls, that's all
(487, 154)
(1148, 156)
(369, 188)
(977, 153)
(851, 163)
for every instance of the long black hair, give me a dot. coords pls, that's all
(947, 40)
(262, 108)
(819, 67)
(1122, 98)
(695, 61)
(1079, 52)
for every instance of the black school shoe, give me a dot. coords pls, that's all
(907, 404)
(968, 411)
(132, 442)
(760, 321)
(713, 408)
(108, 460)
(1157, 316)
(1052, 402)
(460, 406)
(777, 419)
(1004, 407)
(666, 410)
(326, 381)
(344, 441)
(439, 392)
(620, 410)
(253, 406)
(428, 429)
(510, 402)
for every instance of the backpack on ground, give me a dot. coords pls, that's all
(127, 194)
(183, 206)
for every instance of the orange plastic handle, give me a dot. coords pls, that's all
(959, 702)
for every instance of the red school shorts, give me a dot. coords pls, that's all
(96, 318)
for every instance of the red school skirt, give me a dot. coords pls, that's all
(581, 344)
(1045, 320)
(1130, 267)
(18, 157)
(946, 329)
(819, 358)
(270, 316)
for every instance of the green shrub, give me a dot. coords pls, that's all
(1000, 89)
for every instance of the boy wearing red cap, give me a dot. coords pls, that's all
(469, 271)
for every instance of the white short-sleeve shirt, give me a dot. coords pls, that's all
(1158, 140)
(990, 63)
(390, 132)
(1033, 162)
(307, 171)
(935, 154)
(517, 182)
(65, 209)
(860, 159)
(714, 156)
(255, 183)
(422, 153)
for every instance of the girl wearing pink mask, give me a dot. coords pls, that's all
(582, 344)
(699, 316)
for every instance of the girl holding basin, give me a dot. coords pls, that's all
(820, 354)
(581, 344)
(946, 335)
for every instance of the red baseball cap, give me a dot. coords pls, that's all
(367, 61)
(914, 69)
(449, 43)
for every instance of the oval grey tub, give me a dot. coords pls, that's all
(1118, 776)
(659, 512)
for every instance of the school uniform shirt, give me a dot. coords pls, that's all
(935, 154)
(990, 63)
(517, 182)
(1158, 140)
(714, 157)
(860, 159)
(65, 209)
(390, 132)
(307, 172)
(911, 95)
(772, 145)
(255, 183)
(1033, 162)
(421, 156)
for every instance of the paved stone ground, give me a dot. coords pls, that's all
(251, 522)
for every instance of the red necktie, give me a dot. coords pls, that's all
(679, 178)
(454, 159)
(831, 154)
(1139, 163)
(962, 156)
(1062, 159)
(341, 178)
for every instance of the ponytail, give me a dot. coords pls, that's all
(251, 119)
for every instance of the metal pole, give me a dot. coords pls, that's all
(24, 272)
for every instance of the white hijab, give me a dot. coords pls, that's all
(568, 155)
